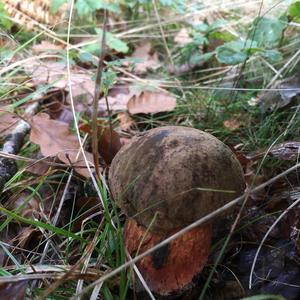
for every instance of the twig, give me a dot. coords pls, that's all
(110, 124)
(12, 145)
(162, 33)
(96, 99)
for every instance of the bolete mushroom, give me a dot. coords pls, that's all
(164, 180)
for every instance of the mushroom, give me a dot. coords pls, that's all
(164, 180)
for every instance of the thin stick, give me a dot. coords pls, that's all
(96, 99)
(162, 33)
(110, 124)
(12, 145)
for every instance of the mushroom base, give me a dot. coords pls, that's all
(170, 269)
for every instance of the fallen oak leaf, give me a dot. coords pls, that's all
(126, 122)
(232, 124)
(55, 139)
(149, 59)
(286, 151)
(59, 112)
(117, 99)
(53, 136)
(8, 121)
(270, 100)
(182, 38)
(109, 142)
(13, 290)
(76, 160)
(55, 73)
(151, 102)
(86, 207)
(39, 168)
(46, 46)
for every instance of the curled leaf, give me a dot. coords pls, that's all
(149, 58)
(151, 102)
(286, 151)
(55, 139)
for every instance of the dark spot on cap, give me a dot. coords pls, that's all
(174, 143)
(160, 256)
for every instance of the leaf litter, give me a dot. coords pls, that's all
(52, 132)
(56, 140)
(151, 102)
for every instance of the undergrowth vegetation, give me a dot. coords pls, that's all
(230, 68)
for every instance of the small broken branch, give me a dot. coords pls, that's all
(96, 99)
(12, 145)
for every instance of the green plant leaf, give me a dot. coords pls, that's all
(86, 7)
(222, 35)
(3, 272)
(199, 39)
(111, 41)
(294, 11)
(177, 5)
(166, 2)
(115, 43)
(235, 52)
(92, 48)
(271, 55)
(122, 61)
(267, 32)
(40, 224)
(217, 24)
(109, 78)
(203, 27)
(4, 20)
(228, 56)
(55, 5)
(197, 58)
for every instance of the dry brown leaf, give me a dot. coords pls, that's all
(13, 290)
(55, 139)
(109, 144)
(7, 122)
(59, 112)
(29, 13)
(55, 74)
(46, 46)
(108, 141)
(27, 235)
(86, 207)
(126, 122)
(182, 37)
(118, 98)
(75, 160)
(148, 56)
(286, 151)
(52, 136)
(151, 102)
(39, 168)
(270, 99)
(232, 124)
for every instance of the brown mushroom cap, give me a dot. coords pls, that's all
(171, 176)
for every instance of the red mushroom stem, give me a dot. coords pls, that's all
(171, 269)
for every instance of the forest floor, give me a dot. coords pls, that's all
(81, 79)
